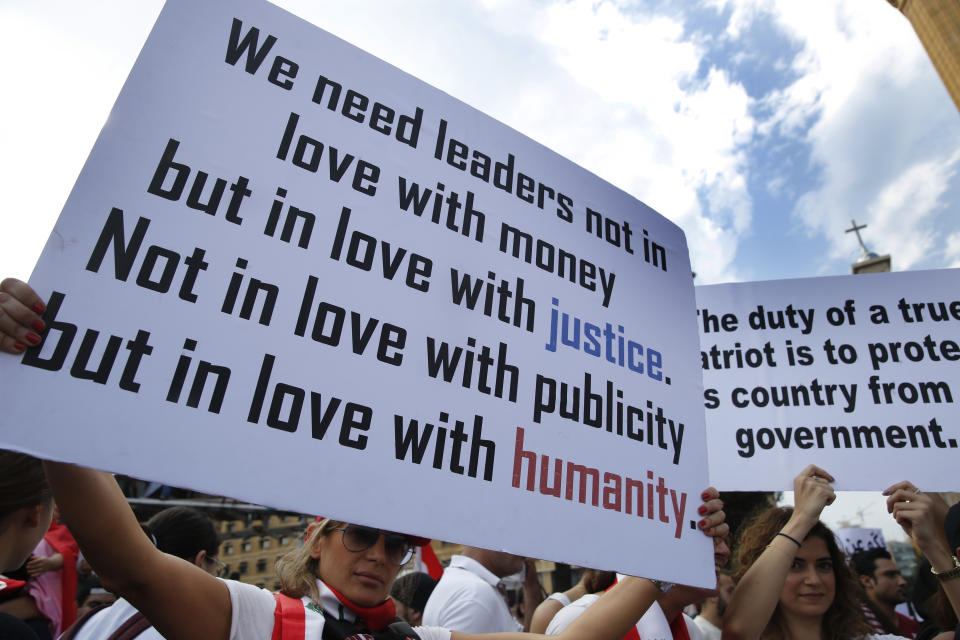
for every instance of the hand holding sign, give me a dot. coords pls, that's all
(20, 322)
(920, 514)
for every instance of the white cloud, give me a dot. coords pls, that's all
(608, 87)
(952, 252)
(882, 133)
(615, 90)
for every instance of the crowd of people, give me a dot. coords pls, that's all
(790, 579)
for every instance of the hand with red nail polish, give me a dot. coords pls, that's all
(20, 323)
(713, 523)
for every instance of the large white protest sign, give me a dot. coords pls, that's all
(856, 374)
(293, 274)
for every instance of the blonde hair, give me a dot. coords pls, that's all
(297, 569)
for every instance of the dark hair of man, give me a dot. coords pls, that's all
(864, 563)
(413, 589)
(184, 532)
(595, 580)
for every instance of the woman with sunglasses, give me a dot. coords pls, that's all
(336, 585)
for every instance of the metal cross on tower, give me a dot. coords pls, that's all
(856, 229)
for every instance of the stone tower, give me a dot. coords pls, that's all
(937, 22)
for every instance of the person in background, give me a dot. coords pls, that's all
(665, 618)
(411, 592)
(710, 618)
(26, 510)
(592, 581)
(470, 596)
(181, 532)
(91, 595)
(53, 576)
(883, 588)
(794, 581)
(941, 624)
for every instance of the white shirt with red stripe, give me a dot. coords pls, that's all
(253, 612)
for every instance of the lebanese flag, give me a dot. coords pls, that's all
(425, 561)
(58, 537)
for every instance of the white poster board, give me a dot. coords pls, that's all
(856, 374)
(292, 274)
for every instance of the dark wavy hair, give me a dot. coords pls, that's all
(844, 619)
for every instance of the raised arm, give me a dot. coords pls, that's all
(612, 615)
(179, 598)
(758, 592)
(922, 515)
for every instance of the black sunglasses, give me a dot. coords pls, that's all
(357, 538)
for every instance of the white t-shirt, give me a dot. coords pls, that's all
(710, 631)
(253, 607)
(565, 617)
(466, 599)
(104, 622)
(652, 626)
(560, 597)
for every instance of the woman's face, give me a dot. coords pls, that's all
(363, 577)
(811, 582)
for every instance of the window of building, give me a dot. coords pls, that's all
(265, 543)
(243, 568)
(261, 565)
(247, 546)
(228, 549)
(284, 541)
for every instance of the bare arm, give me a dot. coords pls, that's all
(550, 607)
(544, 614)
(758, 592)
(179, 599)
(921, 515)
(611, 616)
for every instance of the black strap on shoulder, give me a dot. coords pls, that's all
(134, 626)
(334, 629)
(82, 620)
(130, 629)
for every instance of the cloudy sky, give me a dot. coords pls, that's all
(761, 127)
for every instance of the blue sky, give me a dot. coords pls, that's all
(761, 127)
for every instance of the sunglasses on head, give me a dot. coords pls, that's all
(356, 538)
